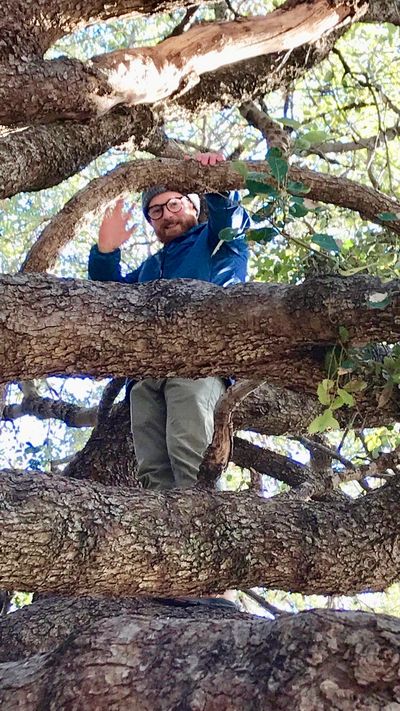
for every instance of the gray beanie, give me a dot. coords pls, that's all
(149, 194)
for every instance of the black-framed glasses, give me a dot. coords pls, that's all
(174, 204)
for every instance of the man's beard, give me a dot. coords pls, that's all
(175, 228)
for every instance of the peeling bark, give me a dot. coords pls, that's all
(60, 150)
(229, 665)
(35, 91)
(188, 175)
(272, 331)
(85, 538)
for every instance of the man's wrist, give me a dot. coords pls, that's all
(103, 249)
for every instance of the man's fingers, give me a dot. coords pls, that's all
(209, 158)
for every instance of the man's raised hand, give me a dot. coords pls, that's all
(114, 229)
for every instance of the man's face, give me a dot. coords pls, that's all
(172, 224)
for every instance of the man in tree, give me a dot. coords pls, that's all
(173, 418)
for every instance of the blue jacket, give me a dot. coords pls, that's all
(190, 255)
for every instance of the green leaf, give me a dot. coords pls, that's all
(292, 123)
(275, 152)
(388, 216)
(295, 186)
(315, 137)
(264, 234)
(264, 212)
(355, 386)
(337, 403)
(257, 184)
(325, 241)
(346, 397)
(297, 210)
(343, 334)
(378, 301)
(323, 422)
(241, 168)
(323, 393)
(278, 166)
(228, 234)
(301, 145)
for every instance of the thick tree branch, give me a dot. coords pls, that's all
(85, 539)
(43, 156)
(30, 29)
(36, 92)
(45, 408)
(108, 456)
(184, 175)
(49, 620)
(246, 454)
(186, 328)
(232, 664)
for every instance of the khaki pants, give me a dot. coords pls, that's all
(172, 425)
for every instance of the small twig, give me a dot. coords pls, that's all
(309, 444)
(275, 611)
(184, 23)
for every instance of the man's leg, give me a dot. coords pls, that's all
(190, 423)
(148, 422)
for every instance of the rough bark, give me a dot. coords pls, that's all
(46, 408)
(272, 331)
(50, 619)
(85, 538)
(220, 664)
(188, 175)
(246, 454)
(40, 157)
(379, 9)
(35, 91)
(43, 156)
(108, 456)
(28, 29)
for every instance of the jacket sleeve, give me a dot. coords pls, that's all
(107, 267)
(226, 211)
